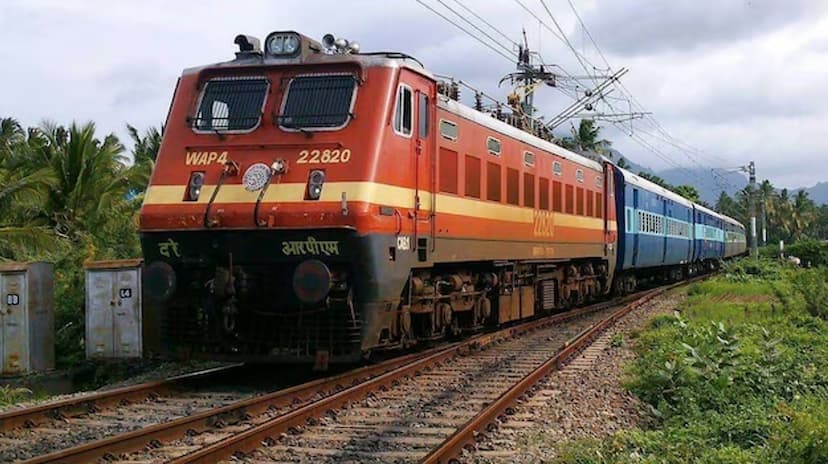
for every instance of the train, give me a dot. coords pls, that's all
(314, 203)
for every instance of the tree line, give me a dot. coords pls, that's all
(66, 187)
(788, 216)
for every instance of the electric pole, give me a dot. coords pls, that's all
(764, 221)
(754, 242)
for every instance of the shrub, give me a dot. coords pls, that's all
(746, 269)
(809, 251)
(812, 285)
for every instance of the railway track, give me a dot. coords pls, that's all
(423, 405)
(26, 433)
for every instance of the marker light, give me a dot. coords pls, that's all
(279, 166)
(315, 181)
(194, 186)
(256, 177)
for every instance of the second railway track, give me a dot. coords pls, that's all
(424, 405)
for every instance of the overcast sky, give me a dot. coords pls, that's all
(736, 79)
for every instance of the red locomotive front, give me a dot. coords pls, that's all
(313, 202)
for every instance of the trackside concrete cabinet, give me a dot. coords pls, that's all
(113, 309)
(27, 332)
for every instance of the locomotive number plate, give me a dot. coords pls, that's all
(334, 156)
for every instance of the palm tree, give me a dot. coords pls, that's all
(23, 191)
(586, 139)
(689, 192)
(804, 213)
(144, 153)
(767, 203)
(784, 214)
(91, 176)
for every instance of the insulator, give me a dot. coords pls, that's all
(478, 101)
(455, 91)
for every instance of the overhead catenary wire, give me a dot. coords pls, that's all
(487, 23)
(476, 27)
(690, 152)
(509, 57)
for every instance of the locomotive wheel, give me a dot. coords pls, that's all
(445, 314)
(485, 309)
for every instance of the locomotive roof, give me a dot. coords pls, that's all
(366, 60)
(633, 179)
(508, 130)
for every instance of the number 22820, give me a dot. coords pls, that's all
(324, 156)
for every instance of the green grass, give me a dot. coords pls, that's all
(739, 376)
(12, 395)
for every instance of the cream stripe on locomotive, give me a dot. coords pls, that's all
(369, 192)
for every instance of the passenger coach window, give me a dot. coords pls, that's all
(318, 102)
(403, 113)
(231, 104)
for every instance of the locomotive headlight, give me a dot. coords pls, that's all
(283, 44)
(275, 45)
(194, 186)
(315, 181)
(256, 177)
(291, 44)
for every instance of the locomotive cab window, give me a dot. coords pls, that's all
(318, 102)
(231, 104)
(404, 112)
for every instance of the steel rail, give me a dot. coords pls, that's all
(33, 416)
(212, 418)
(251, 439)
(487, 419)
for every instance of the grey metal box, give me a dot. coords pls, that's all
(113, 309)
(27, 325)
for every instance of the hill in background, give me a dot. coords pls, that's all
(709, 186)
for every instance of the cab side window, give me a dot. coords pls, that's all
(423, 104)
(404, 111)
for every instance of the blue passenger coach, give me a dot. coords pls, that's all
(655, 230)
(709, 236)
(735, 238)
